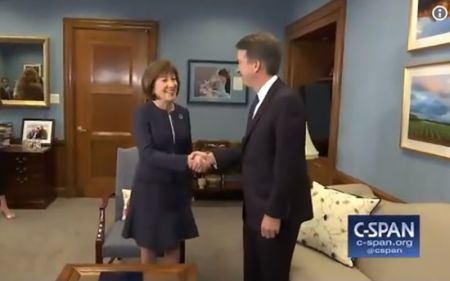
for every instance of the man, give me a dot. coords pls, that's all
(276, 187)
(6, 92)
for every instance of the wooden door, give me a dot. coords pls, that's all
(107, 68)
(307, 61)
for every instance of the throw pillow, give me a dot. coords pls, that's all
(126, 194)
(327, 232)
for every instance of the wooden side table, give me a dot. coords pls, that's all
(229, 186)
(29, 177)
(176, 272)
(231, 190)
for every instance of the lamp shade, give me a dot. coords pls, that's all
(310, 151)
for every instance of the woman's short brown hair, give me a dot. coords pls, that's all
(154, 70)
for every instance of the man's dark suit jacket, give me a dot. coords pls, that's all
(274, 173)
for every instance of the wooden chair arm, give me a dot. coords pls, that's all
(105, 200)
(100, 237)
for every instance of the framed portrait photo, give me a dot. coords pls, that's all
(426, 109)
(36, 66)
(429, 24)
(215, 82)
(41, 129)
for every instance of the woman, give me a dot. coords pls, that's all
(159, 215)
(29, 86)
(217, 86)
(6, 212)
(225, 85)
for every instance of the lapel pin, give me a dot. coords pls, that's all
(180, 116)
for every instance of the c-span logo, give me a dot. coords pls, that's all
(376, 236)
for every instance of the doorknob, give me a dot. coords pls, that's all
(81, 129)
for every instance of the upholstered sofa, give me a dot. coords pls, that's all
(432, 265)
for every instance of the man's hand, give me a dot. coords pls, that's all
(200, 162)
(270, 227)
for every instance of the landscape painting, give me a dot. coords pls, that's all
(426, 109)
(429, 24)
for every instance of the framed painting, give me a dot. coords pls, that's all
(426, 109)
(429, 24)
(41, 129)
(215, 82)
(36, 66)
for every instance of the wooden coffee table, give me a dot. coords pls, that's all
(93, 272)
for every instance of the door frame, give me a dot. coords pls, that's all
(333, 12)
(70, 25)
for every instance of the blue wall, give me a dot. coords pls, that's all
(194, 29)
(375, 55)
(300, 8)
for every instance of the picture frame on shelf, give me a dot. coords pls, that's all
(425, 123)
(38, 129)
(36, 66)
(215, 82)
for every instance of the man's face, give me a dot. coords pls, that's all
(4, 82)
(247, 68)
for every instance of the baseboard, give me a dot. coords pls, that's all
(61, 191)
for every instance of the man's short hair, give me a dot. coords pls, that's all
(264, 47)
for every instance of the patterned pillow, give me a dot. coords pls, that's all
(327, 232)
(126, 194)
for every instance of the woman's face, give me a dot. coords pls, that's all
(166, 87)
(223, 79)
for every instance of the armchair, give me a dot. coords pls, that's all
(109, 242)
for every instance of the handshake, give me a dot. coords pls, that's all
(200, 162)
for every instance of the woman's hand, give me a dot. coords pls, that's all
(201, 162)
